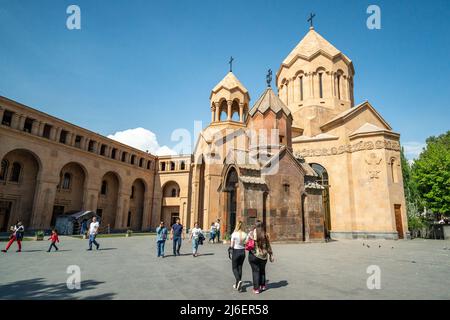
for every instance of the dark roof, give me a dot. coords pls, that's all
(269, 100)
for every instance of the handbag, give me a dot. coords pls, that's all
(250, 245)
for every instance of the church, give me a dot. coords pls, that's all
(304, 159)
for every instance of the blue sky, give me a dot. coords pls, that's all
(152, 64)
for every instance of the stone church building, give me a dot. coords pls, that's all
(305, 160)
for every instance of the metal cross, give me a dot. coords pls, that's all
(269, 77)
(231, 64)
(311, 17)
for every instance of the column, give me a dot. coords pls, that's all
(241, 112)
(35, 127)
(229, 104)
(58, 133)
(53, 133)
(122, 210)
(41, 129)
(43, 204)
(90, 199)
(2, 111)
(217, 106)
(22, 122)
(213, 112)
(332, 84)
(15, 121)
(146, 215)
(69, 138)
(311, 85)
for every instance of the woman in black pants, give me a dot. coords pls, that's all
(259, 255)
(238, 247)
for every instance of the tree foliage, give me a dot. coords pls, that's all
(429, 178)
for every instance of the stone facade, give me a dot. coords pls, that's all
(306, 161)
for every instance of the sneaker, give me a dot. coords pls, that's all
(89, 249)
(4, 251)
(18, 250)
(256, 291)
(238, 287)
(262, 288)
(98, 246)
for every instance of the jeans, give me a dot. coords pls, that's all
(218, 236)
(194, 245)
(176, 245)
(160, 247)
(92, 241)
(258, 270)
(212, 236)
(237, 261)
(53, 244)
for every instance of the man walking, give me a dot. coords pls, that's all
(93, 231)
(176, 234)
(217, 224)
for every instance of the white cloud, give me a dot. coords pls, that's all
(413, 149)
(142, 139)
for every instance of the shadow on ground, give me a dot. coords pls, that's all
(38, 289)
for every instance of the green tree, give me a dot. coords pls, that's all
(431, 174)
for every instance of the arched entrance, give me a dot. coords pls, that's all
(324, 181)
(231, 188)
(18, 175)
(170, 206)
(70, 191)
(135, 214)
(107, 200)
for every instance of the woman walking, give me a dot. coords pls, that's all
(196, 233)
(161, 237)
(237, 247)
(212, 232)
(17, 235)
(259, 251)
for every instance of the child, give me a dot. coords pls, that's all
(212, 232)
(55, 239)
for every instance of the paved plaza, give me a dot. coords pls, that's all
(127, 268)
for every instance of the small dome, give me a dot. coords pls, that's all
(229, 83)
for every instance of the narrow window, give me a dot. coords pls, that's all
(133, 159)
(183, 165)
(174, 193)
(91, 146)
(163, 166)
(124, 157)
(301, 88)
(320, 85)
(63, 136)
(172, 166)
(104, 188)
(129, 219)
(339, 86)
(102, 150)
(15, 174)
(149, 163)
(132, 192)
(78, 141)
(141, 162)
(393, 171)
(28, 125)
(66, 181)
(7, 118)
(4, 169)
(113, 153)
(47, 130)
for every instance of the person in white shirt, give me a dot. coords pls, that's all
(217, 225)
(237, 246)
(93, 231)
(196, 234)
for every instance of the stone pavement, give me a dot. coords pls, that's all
(127, 268)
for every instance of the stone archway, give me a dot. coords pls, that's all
(170, 204)
(107, 199)
(136, 209)
(323, 180)
(70, 191)
(18, 180)
(231, 189)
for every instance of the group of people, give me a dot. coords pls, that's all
(256, 242)
(18, 230)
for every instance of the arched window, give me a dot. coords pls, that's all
(4, 169)
(322, 173)
(339, 86)
(182, 165)
(392, 164)
(163, 166)
(15, 173)
(141, 162)
(172, 166)
(66, 181)
(174, 193)
(133, 159)
(104, 187)
(301, 88)
(149, 163)
(321, 84)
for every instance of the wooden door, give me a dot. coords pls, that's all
(398, 220)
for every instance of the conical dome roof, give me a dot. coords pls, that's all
(229, 82)
(311, 44)
(269, 100)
